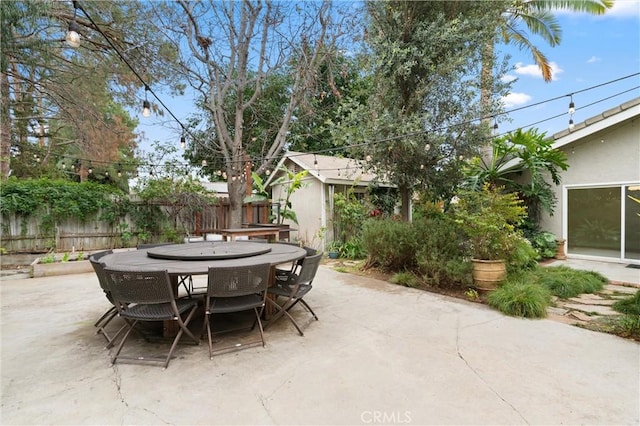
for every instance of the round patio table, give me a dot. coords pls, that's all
(196, 259)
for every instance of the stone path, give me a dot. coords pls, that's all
(588, 308)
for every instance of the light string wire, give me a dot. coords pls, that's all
(346, 147)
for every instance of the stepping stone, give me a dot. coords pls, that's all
(592, 299)
(580, 316)
(600, 310)
(621, 289)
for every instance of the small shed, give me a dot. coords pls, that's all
(313, 203)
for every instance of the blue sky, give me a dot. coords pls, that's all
(594, 50)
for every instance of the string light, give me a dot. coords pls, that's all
(315, 162)
(571, 125)
(146, 106)
(90, 169)
(572, 106)
(73, 33)
(183, 142)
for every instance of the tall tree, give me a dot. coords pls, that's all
(419, 122)
(234, 49)
(59, 102)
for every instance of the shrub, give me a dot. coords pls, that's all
(627, 326)
(565, 282)
(440, 254)
(352, 249)
(390, 244)
(406, 279)
(522, 256)
(629, 305)
(520, 298)
(544, 244)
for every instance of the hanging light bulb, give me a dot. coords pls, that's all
(204, 163)
(421, 166)
(368, 158)
(64, 166)
(219, 172)
(90, 169)
(572, 106)
(571, 125)
(268, 172)
(224, 175)
(315, 162)
(146, 106)
(183, 142)
(494, 129)
(106, 173)
(427, 147)
(73, 33)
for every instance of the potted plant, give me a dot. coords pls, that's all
(488, 218)
(333, 249)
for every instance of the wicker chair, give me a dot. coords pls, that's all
(284, 274)
(236, 289)
(112, 311)
(184, 280)
(293, 289)
(148, 296)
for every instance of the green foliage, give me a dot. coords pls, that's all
(629, 305)
(488, 217)
(349, 213)
(390, 244)
(565, 282)
(406, 279)
(521, 298)
(49, 258)
(440, 252)
(544, 243)
(627, 325)
(352, 249)
(291, 182)
(522, 256)
(535, 156)
(65, 257)
(53, 201)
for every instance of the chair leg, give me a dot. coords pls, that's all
(309, 309)
(110, 313)
(122, 342)
(258, 315)
(280, 313)
(183, 330)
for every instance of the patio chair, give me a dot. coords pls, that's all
(294, 289)
(112, 311)
(283, 274)
(183, 280)
(147, 295)
(236, 289)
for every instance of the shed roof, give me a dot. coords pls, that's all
(332, 170)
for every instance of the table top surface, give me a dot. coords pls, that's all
(273, 254)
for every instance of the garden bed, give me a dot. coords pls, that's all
(62, 264)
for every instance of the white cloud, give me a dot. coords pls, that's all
(507, 78)
(514, 99)
(593, 59)
(620, 9)
(624, 8)
(533, 70)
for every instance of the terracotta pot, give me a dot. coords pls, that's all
(488, 273)
(560, 254)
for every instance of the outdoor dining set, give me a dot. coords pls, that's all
(155, 285)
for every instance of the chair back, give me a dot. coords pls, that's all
(309, 268)
(99, 268)
(238, 280)
(140, 286)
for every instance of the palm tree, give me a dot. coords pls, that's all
(538, 19)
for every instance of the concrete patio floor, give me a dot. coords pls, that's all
(380, 354)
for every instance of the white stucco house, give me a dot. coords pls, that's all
(596, 212)
(313, 204)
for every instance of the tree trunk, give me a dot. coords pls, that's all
(405, 199)
(486, 92)
(236, 195)
(5, 128)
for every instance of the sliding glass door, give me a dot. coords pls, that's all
(604, 221)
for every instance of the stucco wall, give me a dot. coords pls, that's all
(611, 156)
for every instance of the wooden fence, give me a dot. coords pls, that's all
(20, 234)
